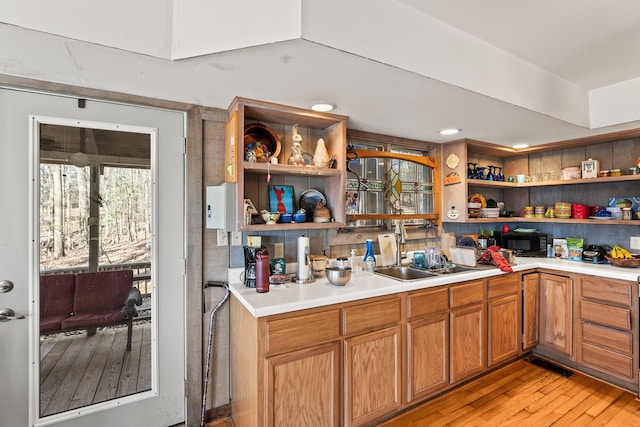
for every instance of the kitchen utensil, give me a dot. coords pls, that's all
(318, 265)
(387, 244)
(270, 217)
(624, 262)
(338, 276)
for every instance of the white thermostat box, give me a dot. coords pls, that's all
(220, 207)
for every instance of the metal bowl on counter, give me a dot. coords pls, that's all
(338, 276)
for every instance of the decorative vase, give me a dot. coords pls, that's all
(321, 156)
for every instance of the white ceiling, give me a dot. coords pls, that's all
(505, 71)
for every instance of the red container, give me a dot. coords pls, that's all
(579, 211)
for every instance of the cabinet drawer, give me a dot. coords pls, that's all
(465, 294)
(504, 285)
(601, 289)
(606, 315)
(608, 361)
(283, 335)
(367, 317)
(613, 339)
(422, 304)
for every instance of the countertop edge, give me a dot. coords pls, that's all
(292, 297)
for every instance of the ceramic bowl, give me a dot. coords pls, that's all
(286, 218)
(299, 217)
(270, 217)
(338, 276)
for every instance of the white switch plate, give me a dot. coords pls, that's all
(236, 238)
(634, 243)
(223, 238)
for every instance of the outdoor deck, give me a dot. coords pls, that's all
(78, 370)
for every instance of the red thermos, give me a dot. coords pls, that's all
(262, 271)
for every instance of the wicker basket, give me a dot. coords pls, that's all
(624, 262)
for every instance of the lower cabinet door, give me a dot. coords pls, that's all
(372, 376)
(428, 356)
(303, 387)
(504, 326)
(468, 347)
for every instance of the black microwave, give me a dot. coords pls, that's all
(525, 244)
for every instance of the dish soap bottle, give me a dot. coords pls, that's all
(369, 259)
(354, 263)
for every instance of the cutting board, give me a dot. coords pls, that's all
(463, 256)
(387, 244)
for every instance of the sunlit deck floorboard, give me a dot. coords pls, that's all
(77, 370)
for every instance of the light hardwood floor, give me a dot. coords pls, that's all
(522, 394)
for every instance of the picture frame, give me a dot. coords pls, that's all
(281, 198)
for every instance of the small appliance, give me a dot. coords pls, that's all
(595, 254)
(250, 253)
(526, 244)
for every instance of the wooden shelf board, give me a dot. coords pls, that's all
(263, 168)
(554, 220)
(291, 226)
(499, 184)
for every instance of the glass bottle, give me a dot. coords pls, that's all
(482, 240)
(369, 259)
(353, 263)
(491, 241)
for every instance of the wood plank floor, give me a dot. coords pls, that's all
(78, 370)
(522, 394)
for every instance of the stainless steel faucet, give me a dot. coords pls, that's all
(400, 233)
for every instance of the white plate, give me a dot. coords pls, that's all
(601, 217)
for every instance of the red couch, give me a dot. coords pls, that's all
(88, 301)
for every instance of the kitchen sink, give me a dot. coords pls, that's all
(408, 274)
(454, 269)
(405, 274)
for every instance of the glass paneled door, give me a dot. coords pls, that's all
(94, 246)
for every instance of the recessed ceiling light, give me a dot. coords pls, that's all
(323, 107)
(450, 131)
(518, 146)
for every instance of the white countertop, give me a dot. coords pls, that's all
(292, 296)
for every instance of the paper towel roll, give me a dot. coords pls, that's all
(303, 259)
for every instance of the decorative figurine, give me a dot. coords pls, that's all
(321, 156)
(296, 158)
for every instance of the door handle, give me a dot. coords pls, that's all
(5, 286)
(7, 314)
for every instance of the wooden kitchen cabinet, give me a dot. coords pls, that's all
(556, 316)
(304, 386)
(607, 329)
(372, 361)
(252, 179)
(467, 330)
(427, 343)
(530, 310)
(285, 367)
(504, 325)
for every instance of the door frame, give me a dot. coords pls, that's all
(193, 212)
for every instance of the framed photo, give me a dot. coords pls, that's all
(281, 198)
